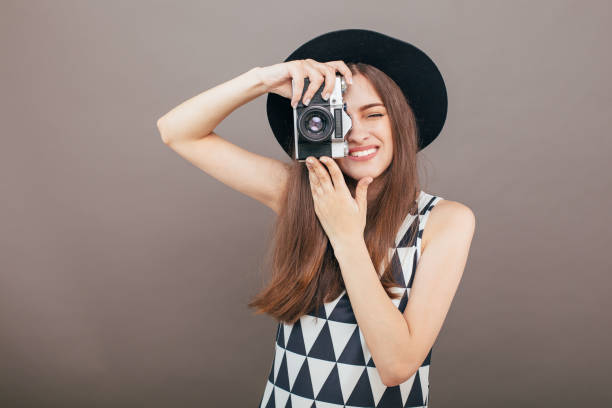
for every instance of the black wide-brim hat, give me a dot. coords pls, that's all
(411, 69)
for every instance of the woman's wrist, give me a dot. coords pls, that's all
(258, 83)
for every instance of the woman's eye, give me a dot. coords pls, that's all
(375, 114)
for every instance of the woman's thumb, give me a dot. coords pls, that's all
(362, 191)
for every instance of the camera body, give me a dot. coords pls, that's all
(320, 128)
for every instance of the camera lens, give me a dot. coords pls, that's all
(316, 124)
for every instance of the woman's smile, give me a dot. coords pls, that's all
(362, 157)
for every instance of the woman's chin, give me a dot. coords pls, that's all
(359, 175)
(357, 170)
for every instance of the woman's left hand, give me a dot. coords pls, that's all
(343, 217)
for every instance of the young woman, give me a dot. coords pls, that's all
(359, 287)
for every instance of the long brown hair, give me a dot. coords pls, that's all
(304, 271)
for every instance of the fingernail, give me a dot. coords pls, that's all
(326, 96)
(306, 101)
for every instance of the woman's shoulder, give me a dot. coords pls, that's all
(449, 216)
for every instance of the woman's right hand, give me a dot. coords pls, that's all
(278, 78)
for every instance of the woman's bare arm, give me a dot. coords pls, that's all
(188, 129)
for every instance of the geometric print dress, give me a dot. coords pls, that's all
(323, 361)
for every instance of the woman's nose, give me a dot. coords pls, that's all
(356, 134)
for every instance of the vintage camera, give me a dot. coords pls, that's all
(320, 128)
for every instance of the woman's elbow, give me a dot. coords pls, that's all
(399, 375)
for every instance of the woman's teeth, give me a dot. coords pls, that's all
(363, 152)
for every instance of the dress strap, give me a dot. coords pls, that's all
(426, 203)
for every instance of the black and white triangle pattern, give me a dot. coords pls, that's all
(323, 360)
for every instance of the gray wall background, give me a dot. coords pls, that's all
(125, 270)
